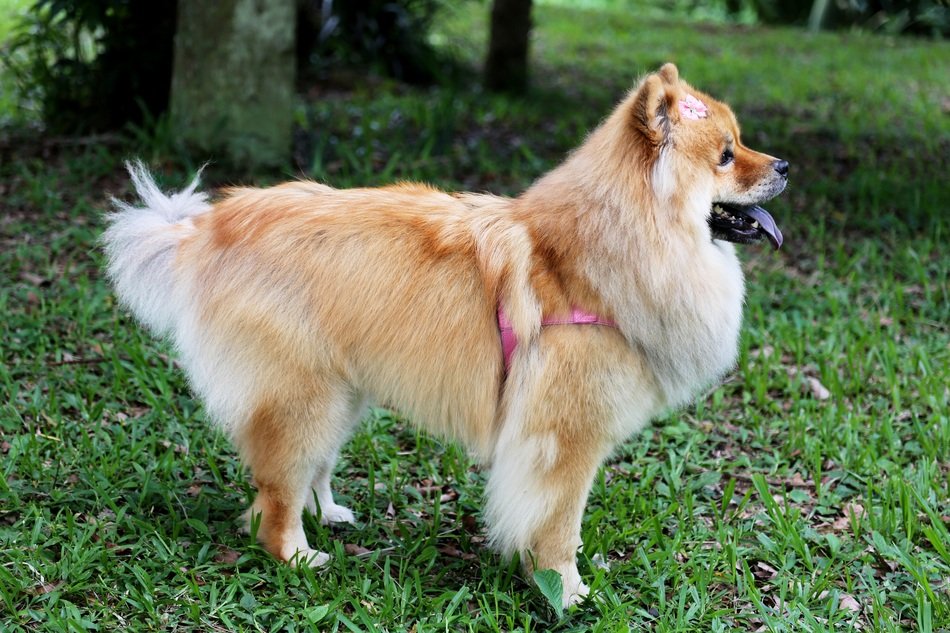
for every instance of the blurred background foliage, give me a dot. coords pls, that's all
(86, 65)
(90, 65)
(390, 37)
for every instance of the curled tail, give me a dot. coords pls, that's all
(141, 243)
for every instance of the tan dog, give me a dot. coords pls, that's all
(294, 306)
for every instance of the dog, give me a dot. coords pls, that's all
(613, 280)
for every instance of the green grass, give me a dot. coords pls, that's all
(760, 507)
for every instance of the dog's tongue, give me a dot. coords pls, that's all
(766, 224)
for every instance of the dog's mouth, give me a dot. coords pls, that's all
(743, 225)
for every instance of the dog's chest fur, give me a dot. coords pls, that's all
(685, 323)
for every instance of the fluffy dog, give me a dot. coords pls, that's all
(293, 307)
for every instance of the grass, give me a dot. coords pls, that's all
(810, 491)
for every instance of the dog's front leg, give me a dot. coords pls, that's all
(553, 439)
(537, 491)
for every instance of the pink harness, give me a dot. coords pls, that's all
(509, 340)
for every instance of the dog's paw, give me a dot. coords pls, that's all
(331, 513)
(305, 557)
(336, 514)
(573, 590)
(574, 595)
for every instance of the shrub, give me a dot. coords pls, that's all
(918, 17)
(390, 36)
(92, 65)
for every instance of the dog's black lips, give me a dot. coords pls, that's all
(743, 225)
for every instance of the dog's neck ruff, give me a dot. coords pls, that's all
(509, 340)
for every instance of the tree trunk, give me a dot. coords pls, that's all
(233, 79)
(506, 67)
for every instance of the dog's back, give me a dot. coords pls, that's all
(281, 294)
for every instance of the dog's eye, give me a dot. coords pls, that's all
(726, 158)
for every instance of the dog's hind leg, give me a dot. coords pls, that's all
(320, 500)
(283, 445)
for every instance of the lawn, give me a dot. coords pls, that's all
(808, 492)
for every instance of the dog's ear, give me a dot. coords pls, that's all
(669, 73)
(654, 104)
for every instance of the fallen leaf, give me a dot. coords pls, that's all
(356, 550)
(470, 523)
(817, 389)
(454, 552)
(845, 601)
(44, 588)
(598, 561)
(33, 278)
(797, 481)
(854, 508)
(193, 491)
(227, 556)
(451, 495)
(765, 571)
(841, 524)
(181, 449)
(118, 549)
(848, 602)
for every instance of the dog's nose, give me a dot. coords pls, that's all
(781, 166)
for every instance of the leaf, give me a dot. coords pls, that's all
(799, 496)
(848, 602)
(356, 550)
(198, 527)
(454, 552)
(845, 600)
(599, 562)
(317, 613)
(549, 582)
(44, 588)
(33, 278)
(226, 555)
(817, 389)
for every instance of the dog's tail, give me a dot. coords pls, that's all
(141, 243)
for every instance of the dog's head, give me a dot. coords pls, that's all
(699, 162)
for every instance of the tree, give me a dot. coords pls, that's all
(233, 79)
(506, 66)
